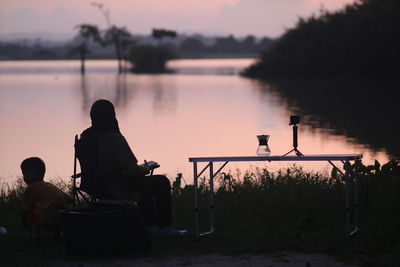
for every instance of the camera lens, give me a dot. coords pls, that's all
(294, 119)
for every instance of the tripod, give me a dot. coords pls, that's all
(295, 140)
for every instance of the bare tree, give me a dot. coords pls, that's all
(86, 32)
(119, 37)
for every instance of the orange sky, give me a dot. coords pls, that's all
(238, 17)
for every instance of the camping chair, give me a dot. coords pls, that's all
(104, 225)
(76, 191)
(88, 189)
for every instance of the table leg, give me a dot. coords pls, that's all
(211, 203)
(212, 199)
(355, 201)
(347, 192)
(196, 204)
(351, 199)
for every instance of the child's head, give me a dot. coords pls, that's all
(33, 170)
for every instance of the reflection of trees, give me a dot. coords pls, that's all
(121, 91)
(164, 95)
(91, 91)
(124, 88)
(357, 108)
(84, 93)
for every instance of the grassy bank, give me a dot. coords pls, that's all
(260, 212)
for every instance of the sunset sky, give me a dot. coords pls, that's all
(238, 17)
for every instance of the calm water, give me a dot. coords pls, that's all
(203, 109)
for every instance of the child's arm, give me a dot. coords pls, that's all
(29, 214)
(28, 199)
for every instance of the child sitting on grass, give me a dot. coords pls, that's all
(41, 200)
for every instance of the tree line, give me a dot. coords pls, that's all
(116, 42)
(227, 46)
(362, 40)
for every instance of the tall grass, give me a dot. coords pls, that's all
(296, 210)
(16, 248)
(262, 211)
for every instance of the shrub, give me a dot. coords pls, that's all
(150, 59)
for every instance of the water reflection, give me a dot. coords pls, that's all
(227, 66)
(123, 89)
(91, 90)
(84, 92)
(364, 110)
(164, 95)
(170, 117)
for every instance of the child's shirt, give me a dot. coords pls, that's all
(42, 201)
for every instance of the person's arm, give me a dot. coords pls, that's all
(126, 160)
(28, 202)
(28, 199)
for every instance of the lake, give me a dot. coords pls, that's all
(203, 108)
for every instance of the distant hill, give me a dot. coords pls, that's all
(34, 36)
(360, 40)
(32, 46)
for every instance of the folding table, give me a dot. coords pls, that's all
(348, 173)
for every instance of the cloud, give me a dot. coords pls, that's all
(23, 18)
(239, 17)
(270, 17)
(261, 17)
(63, 18)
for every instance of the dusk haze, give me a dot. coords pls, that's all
(199, 133)
(212, 17)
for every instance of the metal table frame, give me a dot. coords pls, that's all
(349, 176)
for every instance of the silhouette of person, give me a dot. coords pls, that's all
(41, 200)
(119, 176)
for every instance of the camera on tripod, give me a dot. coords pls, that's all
(294, 119)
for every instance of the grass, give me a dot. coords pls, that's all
(259, 212)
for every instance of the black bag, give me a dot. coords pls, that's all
(104, 228)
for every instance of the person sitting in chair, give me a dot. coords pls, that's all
(110, 170)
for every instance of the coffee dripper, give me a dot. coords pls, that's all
(263, 148)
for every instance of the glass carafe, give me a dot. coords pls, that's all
(263, 148)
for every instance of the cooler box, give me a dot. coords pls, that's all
(104, 229)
